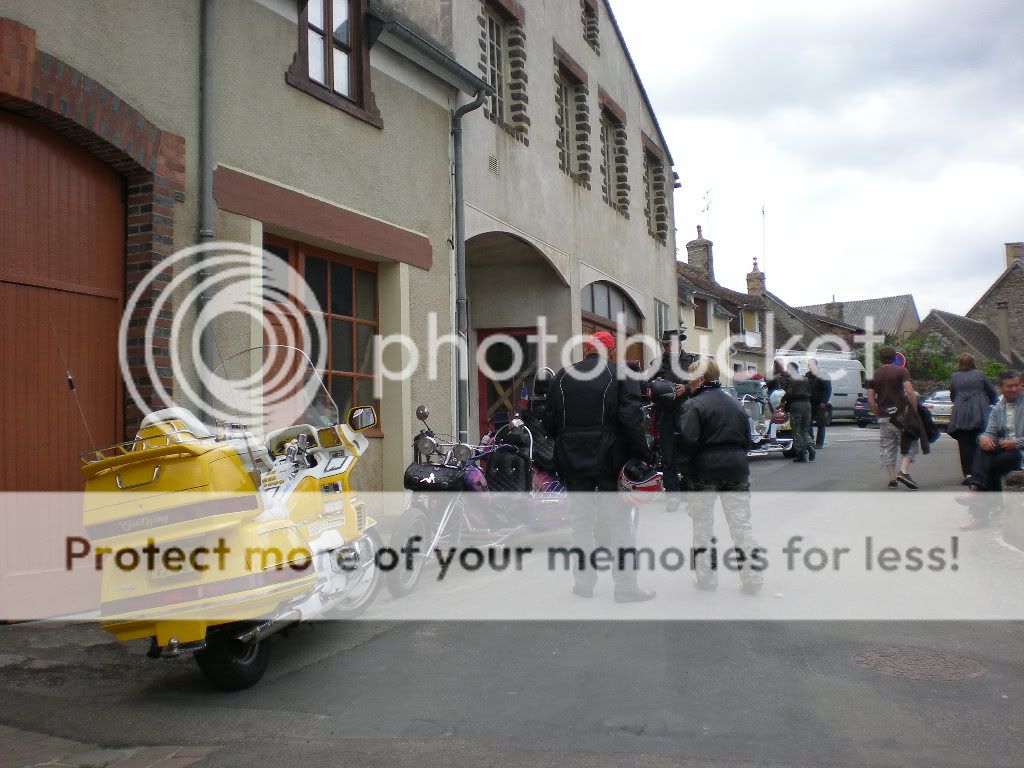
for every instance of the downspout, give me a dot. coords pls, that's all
(461, 299)
(207, 341)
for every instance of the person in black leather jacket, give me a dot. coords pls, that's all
(667, 413)
(820, 385)
(797, 403)
(715, 433)
(597, 425)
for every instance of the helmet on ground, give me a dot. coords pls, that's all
(639, 481)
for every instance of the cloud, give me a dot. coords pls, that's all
(884, 139)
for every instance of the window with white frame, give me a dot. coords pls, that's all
(662, 318)
(497, 64)
(566, 97)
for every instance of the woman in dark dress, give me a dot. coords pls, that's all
(973, 396)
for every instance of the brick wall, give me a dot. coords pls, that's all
(591, 20)
(42, 87)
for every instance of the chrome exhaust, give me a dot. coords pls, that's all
(268, 628)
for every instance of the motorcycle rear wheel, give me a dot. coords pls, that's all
(232, 665)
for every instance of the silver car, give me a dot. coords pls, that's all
(940, 405)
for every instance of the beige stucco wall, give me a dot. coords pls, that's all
(148, 55)
(530, 194)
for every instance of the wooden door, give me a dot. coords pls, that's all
(62, 256)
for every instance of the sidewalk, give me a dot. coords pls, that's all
(21, 749)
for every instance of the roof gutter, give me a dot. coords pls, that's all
(422, 52)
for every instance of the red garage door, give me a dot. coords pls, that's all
(62, 230)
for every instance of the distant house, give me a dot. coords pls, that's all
(895, 315)
(718, 321)
(967, 335)
(1001, 307)
(743, 330)
(793, 328)
(993, 330)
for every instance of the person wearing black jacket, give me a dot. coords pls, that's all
(820, 386)
(797, 403)
(594, 416)
(715, 433)
(672, 371)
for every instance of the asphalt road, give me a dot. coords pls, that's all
(568, 693)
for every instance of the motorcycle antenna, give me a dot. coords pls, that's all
(71, 383)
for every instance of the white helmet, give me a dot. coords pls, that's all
(640, 482)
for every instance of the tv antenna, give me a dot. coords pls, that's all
(764, 240)
(706, 210)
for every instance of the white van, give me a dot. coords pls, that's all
(849, 380)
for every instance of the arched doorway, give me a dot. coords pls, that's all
(602, 305)
(511, 286)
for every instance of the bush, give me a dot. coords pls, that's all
(993, 368)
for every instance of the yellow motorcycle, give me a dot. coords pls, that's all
(211, 541)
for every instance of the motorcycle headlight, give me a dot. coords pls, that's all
(462, 452)
(426, 445)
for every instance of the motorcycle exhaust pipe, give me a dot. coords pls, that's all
(268, 628)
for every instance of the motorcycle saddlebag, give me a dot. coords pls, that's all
(509, 472)
(430, 477)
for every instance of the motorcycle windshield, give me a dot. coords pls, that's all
(268, 388)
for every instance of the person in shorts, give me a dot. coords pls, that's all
(888, 387)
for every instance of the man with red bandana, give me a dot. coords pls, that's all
(594, 415)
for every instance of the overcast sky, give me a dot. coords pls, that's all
(885, 139)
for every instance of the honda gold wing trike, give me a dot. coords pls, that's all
(239, 531)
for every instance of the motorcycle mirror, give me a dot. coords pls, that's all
(422, 413)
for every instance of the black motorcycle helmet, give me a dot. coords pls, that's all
(663, 392)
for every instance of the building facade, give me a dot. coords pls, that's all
(568, 186)
(325, 137)
(328, 143)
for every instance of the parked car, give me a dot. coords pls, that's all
(861, 412)
(940, 405)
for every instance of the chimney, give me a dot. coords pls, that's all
(834, 310)
(1014, 253)
(698, 255)
(755, 281)
(1003, 328)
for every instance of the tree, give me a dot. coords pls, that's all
(929, 358)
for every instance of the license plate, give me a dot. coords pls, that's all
(161, 572)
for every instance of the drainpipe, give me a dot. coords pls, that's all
(207, 342)
(461, 300)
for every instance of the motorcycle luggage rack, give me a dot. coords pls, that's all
(139, 444)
